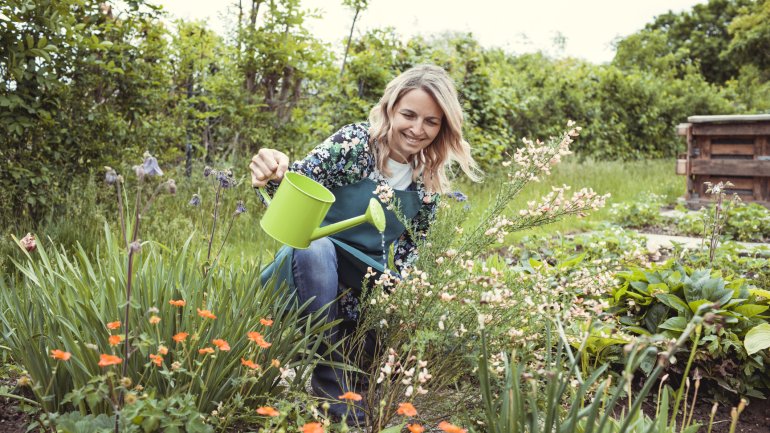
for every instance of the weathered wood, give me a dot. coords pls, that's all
(730, 167)
(743, 129)
(732, 149)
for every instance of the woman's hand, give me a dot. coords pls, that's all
(268, 164)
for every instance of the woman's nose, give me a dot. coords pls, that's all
(418, 127)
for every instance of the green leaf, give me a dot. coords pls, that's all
(750, 310)
(674, 324)
(394, 429)
(758, 338)
(672, 301)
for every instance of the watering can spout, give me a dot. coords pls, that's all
(374, 215)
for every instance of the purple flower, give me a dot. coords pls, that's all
(225, 178)
(458, 196)
(111, 176)
(240, 208)
(195, 200)
(150, 166)
(206, 171)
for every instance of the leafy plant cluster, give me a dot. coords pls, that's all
(746, 222)
(662, 299)
(644, 212)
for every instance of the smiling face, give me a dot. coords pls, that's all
(415, 124)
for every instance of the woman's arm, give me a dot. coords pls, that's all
(340, 160)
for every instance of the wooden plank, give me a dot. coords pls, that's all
(730, 167)
(743, 183)
(732, 149)
(744, 129)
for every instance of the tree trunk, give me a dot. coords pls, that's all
(251, 66)
(350, 37)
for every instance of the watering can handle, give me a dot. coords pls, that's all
(261, 191)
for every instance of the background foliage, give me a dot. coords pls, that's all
(85, 84)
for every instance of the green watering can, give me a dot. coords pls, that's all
(296, 211)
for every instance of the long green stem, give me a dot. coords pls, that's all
(698, 329)
(214, 222)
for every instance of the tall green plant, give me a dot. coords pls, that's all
(192, 334)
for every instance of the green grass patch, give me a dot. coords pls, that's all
(624, 180)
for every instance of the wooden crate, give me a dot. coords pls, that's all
(734, 148)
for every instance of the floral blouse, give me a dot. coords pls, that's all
(346, 158)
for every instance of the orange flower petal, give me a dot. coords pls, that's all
(206, 314)
(415, 428)
(114, 340)
(114, 325)
(257, 338)
(156, 359)
(206, 350)
(350, 395)
(221, 344)
(406, 409)
(267, 411)
(266, 322)
(154, 320)
(107, 360)
(178, 303)
(249, 363)
(180, 337)
(60, 355)
(451, 428)
(312, 427)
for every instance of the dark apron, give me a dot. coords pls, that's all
(358, 248)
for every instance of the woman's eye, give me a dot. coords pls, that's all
(408, 115)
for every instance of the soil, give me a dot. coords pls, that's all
(754, 419)
(12, 418)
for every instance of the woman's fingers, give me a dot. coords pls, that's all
(268, 164)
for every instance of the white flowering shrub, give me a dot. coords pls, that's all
(428, 319)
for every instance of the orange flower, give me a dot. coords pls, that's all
(221, 344)
(415, 428)
(107, 360)
(406, 409)
(156, 359)
(206, 314)
(115, 339)
(267, 411)
(206, 350)
(154, 320)
(275, 363)
(60, 355)
(251, 364)
(257, 338)
(266, 322)
(114, 325)
(312, 427)
(179, 303)
(180, 337)
(163, 350)
(350, 395)
(451, 428)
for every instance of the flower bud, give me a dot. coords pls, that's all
(28, 242)
(171, 186)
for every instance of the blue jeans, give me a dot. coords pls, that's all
(317, 279)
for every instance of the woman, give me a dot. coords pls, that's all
(413, 133)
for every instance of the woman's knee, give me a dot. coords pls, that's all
(315, 273)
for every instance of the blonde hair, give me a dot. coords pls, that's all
(448, 146)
